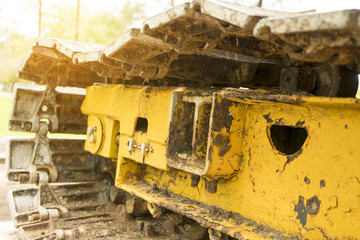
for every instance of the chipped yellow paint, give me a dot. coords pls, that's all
(229, 164)
(256, 179)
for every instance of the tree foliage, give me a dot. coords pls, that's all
(60, 22)
(11, 52)
(100, 28)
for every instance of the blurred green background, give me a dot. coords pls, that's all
(19, 27)
(5, 100)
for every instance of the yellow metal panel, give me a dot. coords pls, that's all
(119, 115)
(269, 184)
(290, 163)
(226, 145)
(94, 134)
(104, 139)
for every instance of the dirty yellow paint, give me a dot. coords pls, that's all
(100, 127)
(119, 116)
(228, 164)
(255, 177)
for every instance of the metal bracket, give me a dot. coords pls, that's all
(25, 207)
(144, 147)
(60, 106)
(41, 160)
(30, 160)
(29, 214)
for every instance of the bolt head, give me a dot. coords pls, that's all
(92, 138)
(90, 130)
(44, 108)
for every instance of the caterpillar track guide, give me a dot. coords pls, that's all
(212, 121)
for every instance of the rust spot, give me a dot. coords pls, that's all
(313, 205)
(292, 157)
(267, 118)
(222, 116)
(299, 124)
(211, 186)
(301, 211)
(223, 143)
(322, 183)
(307, 180)
(181, 130)
(195, 179)
(202, 131)
(270, 97)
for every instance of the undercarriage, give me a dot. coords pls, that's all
(212, 121)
